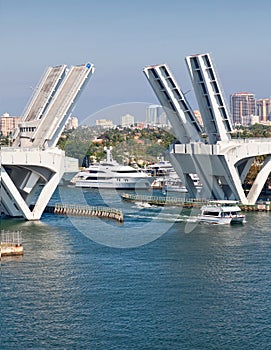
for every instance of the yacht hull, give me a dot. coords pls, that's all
(119, 184)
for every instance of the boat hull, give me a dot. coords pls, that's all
(223, 212)
(221, 220)
(119, 184)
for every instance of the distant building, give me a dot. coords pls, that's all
(104, 123)
(140, 125)
(152, 114)
(163, 120)
(8, 124)
(72, 123)
(250, 120)
(155, 116)
(242, 104)
(127, 120)
(264, 109)
(198, 116)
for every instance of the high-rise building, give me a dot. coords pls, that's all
(8, 124)
(152, 114)
(127, 120)
(264, 109)
(156, 116)
(163, 120)
(243, 105)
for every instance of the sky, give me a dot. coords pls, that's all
(122, 37)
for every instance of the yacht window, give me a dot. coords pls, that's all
(97, 178)
(125, 171)
(107, 164)
(96, 171)
(212, 213)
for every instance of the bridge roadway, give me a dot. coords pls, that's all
(45, 92)
(60, 106)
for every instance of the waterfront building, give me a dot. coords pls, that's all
(242, 104)
(264, 109)
(127, 120)
(8, 124)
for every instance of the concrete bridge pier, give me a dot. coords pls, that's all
(26, 174)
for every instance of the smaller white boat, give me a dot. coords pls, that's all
(221, 212)
(173, 184)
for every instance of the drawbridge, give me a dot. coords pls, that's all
(222, 163)
(33, 166)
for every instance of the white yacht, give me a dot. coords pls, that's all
(111, 174)
(161, 168)
(221, 212)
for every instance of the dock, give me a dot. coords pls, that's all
(189, 203)
(86, 210)
(11, 243)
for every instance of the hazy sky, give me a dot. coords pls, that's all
(121, 37)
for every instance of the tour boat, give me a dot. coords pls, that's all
(111, 174)
(221, 212)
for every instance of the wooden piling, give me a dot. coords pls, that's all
(86, 210)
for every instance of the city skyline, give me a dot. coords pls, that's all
(121, 39)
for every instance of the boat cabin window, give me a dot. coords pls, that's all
(96, 171)
(97, 178)
(107, 164)
(125, 171)
(211, 213)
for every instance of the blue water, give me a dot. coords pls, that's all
(189, 286)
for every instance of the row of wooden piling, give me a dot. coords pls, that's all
(189, 203)
(86, 210)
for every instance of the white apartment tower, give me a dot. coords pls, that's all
(127, 120)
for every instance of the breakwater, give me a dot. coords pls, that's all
(86, 210)
(188, 203)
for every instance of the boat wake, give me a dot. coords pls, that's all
(164, 217)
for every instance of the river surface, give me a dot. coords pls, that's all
(159, 281)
